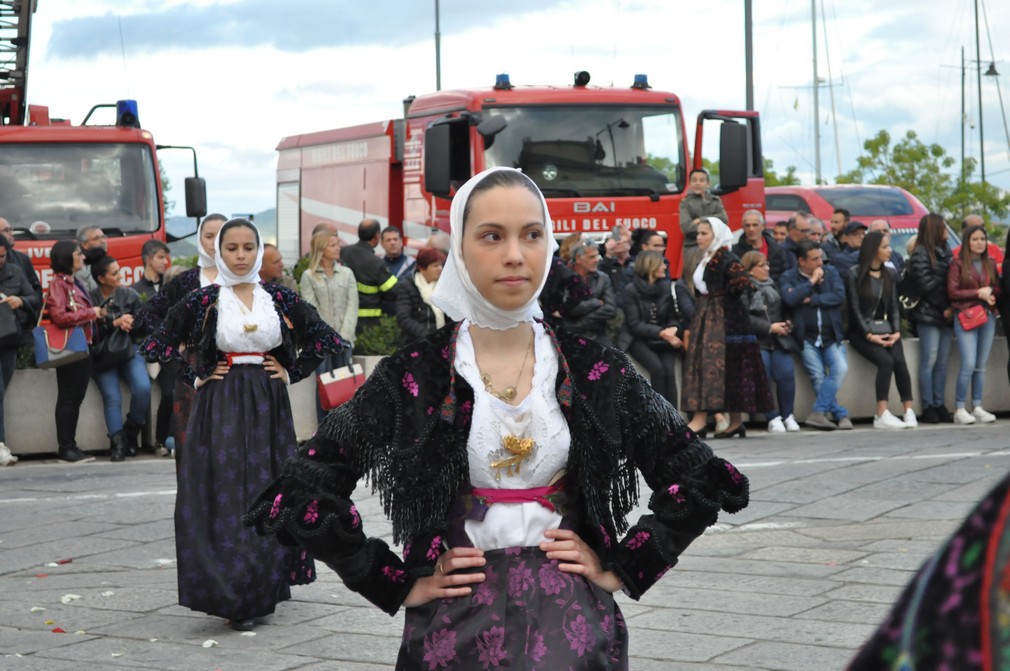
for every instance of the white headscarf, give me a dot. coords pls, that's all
(455, 293)
(722, 237)
(227, 278)
(205, 260)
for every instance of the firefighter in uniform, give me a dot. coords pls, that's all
(375, 282)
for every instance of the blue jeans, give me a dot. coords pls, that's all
(134, 373)
(974, 346)
(934, 352)
(827, 367)
(780, 370)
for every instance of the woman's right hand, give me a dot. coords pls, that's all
(985, 294)
(780, 328)
(100, 313)
(220, 370)
(445, 584)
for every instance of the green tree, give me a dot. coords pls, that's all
(772, 178)
(166, 186)
(926, 171)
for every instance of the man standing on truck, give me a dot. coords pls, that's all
(20, 259)
(697, 204)
(375, 282)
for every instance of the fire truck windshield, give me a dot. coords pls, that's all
(592, 151)
(48, 191)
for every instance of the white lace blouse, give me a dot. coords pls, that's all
(538, 417)
(242, 330)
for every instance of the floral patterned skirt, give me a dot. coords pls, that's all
(527, 614)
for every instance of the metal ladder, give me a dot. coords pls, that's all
(15, 39)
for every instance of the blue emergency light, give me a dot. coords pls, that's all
(501, 82)
(126, 114)
(641, 82)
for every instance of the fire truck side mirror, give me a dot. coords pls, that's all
(733, 156)
(196, 197)
(446, 156)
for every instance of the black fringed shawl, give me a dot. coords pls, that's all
(406, 430)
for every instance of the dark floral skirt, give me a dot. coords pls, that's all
(240, 433)
(527, 614)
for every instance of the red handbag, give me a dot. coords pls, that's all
(337, 386)
(973, 317)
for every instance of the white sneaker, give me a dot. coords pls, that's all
(982, 416)
(776, 426)
(791, 424)
(887, 421)
(911, 421)
(962, 416)
(6, 458)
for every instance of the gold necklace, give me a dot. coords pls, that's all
(509, 393)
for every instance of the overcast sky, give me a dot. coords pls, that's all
(232, 77)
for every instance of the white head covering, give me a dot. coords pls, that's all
(455, 293)
(205, 260)
(722, 237)
(227, 278)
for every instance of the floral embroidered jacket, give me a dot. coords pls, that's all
(193, 321)
(407, 430)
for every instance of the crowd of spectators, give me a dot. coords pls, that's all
(796, 288)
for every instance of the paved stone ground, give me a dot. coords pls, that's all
(837, 525)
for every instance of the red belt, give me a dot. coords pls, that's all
(231, 356)
(541, 495)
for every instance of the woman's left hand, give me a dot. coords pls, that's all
(14, 302)
(277, 371)
(575, 556)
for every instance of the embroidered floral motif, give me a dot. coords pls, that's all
(520, 580)
(552, 581)
(394, 574)
(674, 492)
(445, 352)
(539, 648)
(486, 594)
(638, 540)
(312, 512)
(734, 474)
(414, 355)
(582, 341)
(434, 548)
(410, 385)
(355, 517)
(599, 368)
(606, 536)
(406, 550)
(275, 509)
(440, 649)
(579, 635)
(490, 646)
(312, 452)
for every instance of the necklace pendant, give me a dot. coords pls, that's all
(509, 394)
(250, 328)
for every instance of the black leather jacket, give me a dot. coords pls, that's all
(931, 279)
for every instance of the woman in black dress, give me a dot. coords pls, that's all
(249, 342)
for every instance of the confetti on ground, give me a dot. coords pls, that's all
(118, 654)
(50, 622)
(164, 562)
(58, 630)
(80, 632)
(67, 598)
(38, 609)
(52, 564)
(153, 640)
(108, 593)
(210, 643)
(248, 633)
(64, 561)
(41, 575)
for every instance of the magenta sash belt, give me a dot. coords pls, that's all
(541, 495)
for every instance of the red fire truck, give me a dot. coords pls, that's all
(601, 156)
(55, 177)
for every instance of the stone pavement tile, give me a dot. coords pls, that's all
(233, 653)
(789, 657)
(858, 612)
(31, 641)
(904, 489)
(79, 576)
(825, 556)
(43, 533)
(72, 547)
(133, 598)
(733, 542)
(145, 533)
(27, 515)
(345, 666)
(170, 629)
(922, 548)
(758, 584)
(359, 648)
(666, 644)
(138, 556)
(781, 568)
(126, 511)
(757, 627)
(968, 473)
(974, 489)
(367, 620)
(889, 530)
(720, 601)
(933, 510)
(639, 664)
(877, 576)
(884, 594)
(847, 506)
(889, 560)
(11, 662)
(759, 509)
(69, 617)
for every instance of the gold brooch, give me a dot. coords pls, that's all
(250, 328)
(519, 448)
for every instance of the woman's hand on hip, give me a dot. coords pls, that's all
(220, 370)
(445, 583)
(274, 367)
(575, 556)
